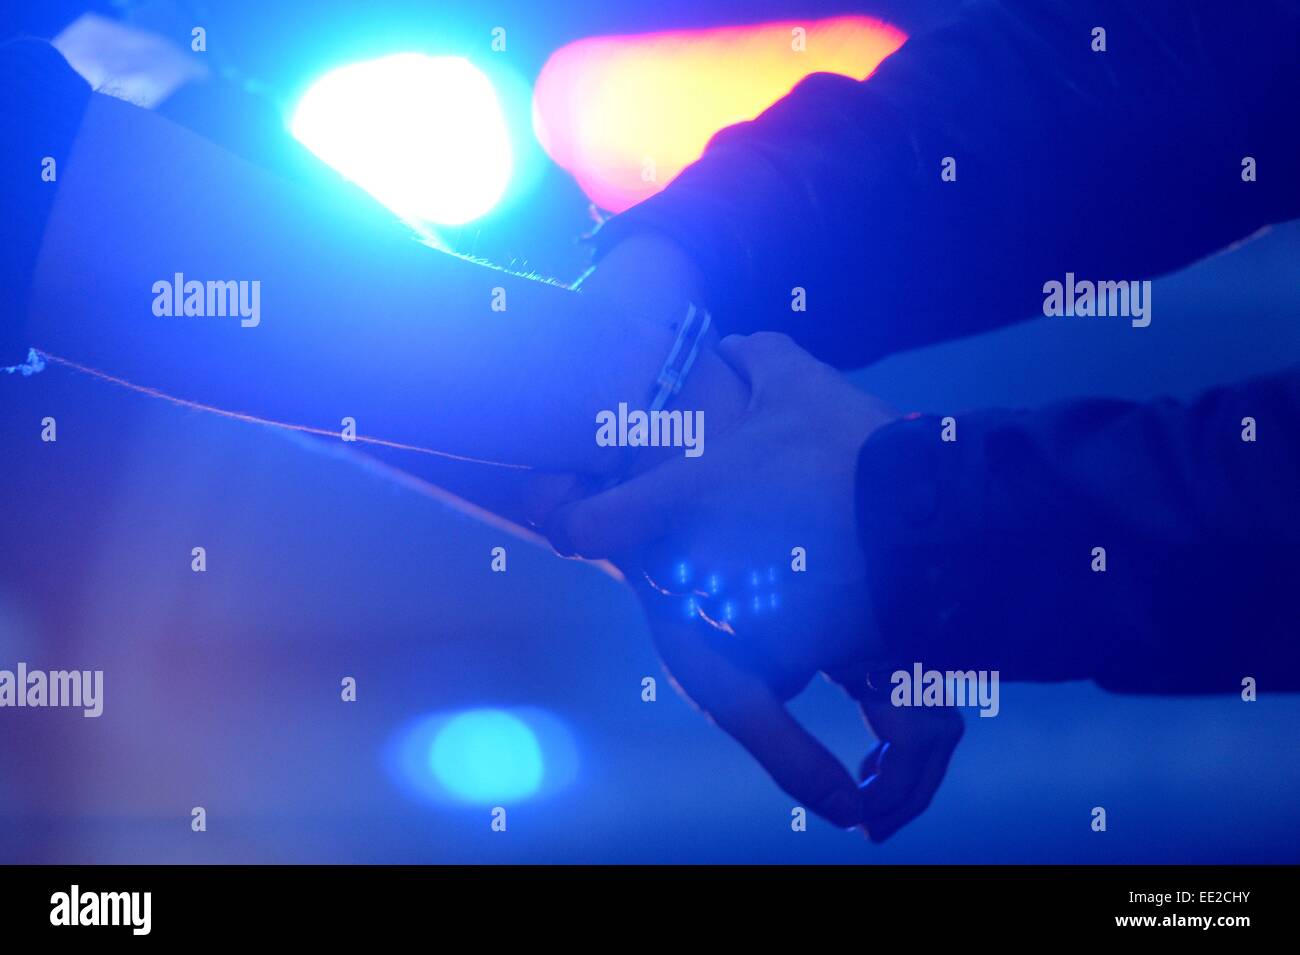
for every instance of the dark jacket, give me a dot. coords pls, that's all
(1116, 165)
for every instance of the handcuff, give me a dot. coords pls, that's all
(674, 371)
(681, 358)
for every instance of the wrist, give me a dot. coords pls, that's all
(649, 277)
(713, 390)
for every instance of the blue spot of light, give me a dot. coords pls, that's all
(487, 755)
(484, 756)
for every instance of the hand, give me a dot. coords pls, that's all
(707, 544)
(757, 535)
(899, 776)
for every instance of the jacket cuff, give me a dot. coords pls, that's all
(972, 554)
(903, 529)
(711, 229)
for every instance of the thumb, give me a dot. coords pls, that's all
(902, 774)
(627, 516)
(764, 358)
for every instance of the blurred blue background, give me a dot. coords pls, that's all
(223, 688)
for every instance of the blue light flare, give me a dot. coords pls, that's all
(483, 756)
(487, 755)
(425, 135)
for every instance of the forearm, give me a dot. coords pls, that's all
(982, 551)
(356, 318)
(1116, 165)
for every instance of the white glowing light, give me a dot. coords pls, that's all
(425, 135)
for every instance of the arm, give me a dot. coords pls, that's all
(973, 554)
(1121, 165)
(740, 621)
(356, 318)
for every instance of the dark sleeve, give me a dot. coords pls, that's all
(1115, 165)
(981, 550)
(42, 100)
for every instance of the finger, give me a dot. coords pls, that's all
(889, 776)
(627, 516)
(871, 762)
(904, 772)
(741, 704)
(881, 825)
(763, 358)
(795, 760)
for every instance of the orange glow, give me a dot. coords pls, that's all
(625, 114)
